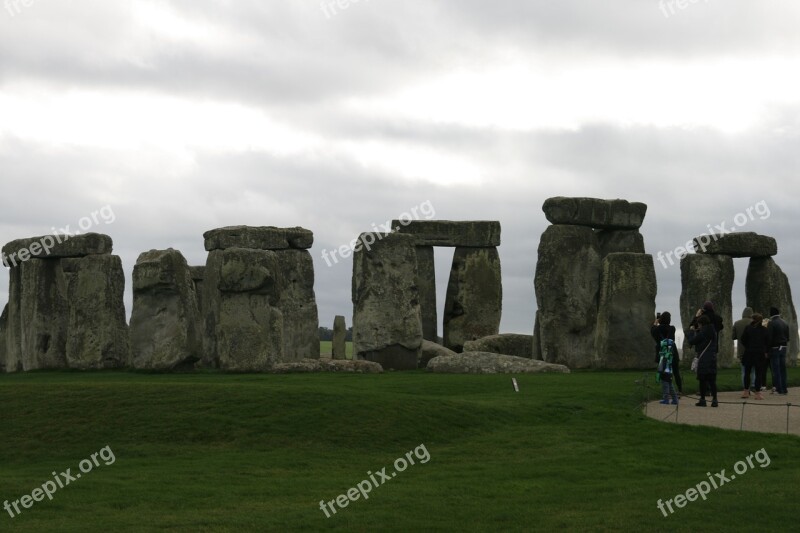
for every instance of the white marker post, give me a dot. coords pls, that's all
(516, 386)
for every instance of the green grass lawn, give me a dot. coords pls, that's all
(226, 452)
(327, 347)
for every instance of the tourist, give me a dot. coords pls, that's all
(661, 330)
(779, 338)
(756, 343)
(703, 336)
(738, 330)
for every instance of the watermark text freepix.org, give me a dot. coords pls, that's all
(740, 219)
(664, 5)
(363, 488)
(59, 481)
(425, 208)
(46, 243)
(716, 481)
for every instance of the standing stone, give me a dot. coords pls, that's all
(198, 274)
(298, 305)
(243, 323)
(38, 314)
(426, 282)
(707, 277)
(339, 348)
(387, 325)
(474, 301)
(625, 311)
(768, 286)
(4, 366)
(567, 285)
(165, 322)
(536, 351)
(98, 335)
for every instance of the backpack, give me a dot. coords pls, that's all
(665, 354)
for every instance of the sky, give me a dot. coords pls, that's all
(170, 118)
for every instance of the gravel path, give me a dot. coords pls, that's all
(768, 415)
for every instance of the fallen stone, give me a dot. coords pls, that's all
(56, 247)
(491, 363)
(258, 238)
(327, 365)
(503, 343)
(430, 350)
(627, 300)
(471, 234)
(745, 244)
(595, 213)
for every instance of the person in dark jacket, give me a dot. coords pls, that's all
(661, 330)
(756, 346)
(703, 336)
(738, 330)
(714, 318)
(779, 339)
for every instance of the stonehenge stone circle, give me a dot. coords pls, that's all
(627, 300)
(595, 213)
(745, 244)
(339, 344)
(165, 321)
(474, 300)
(708, 277)
(387, 323)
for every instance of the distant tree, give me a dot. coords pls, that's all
(325, 334)
(349, 335)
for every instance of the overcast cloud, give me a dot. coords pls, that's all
(186, 116)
